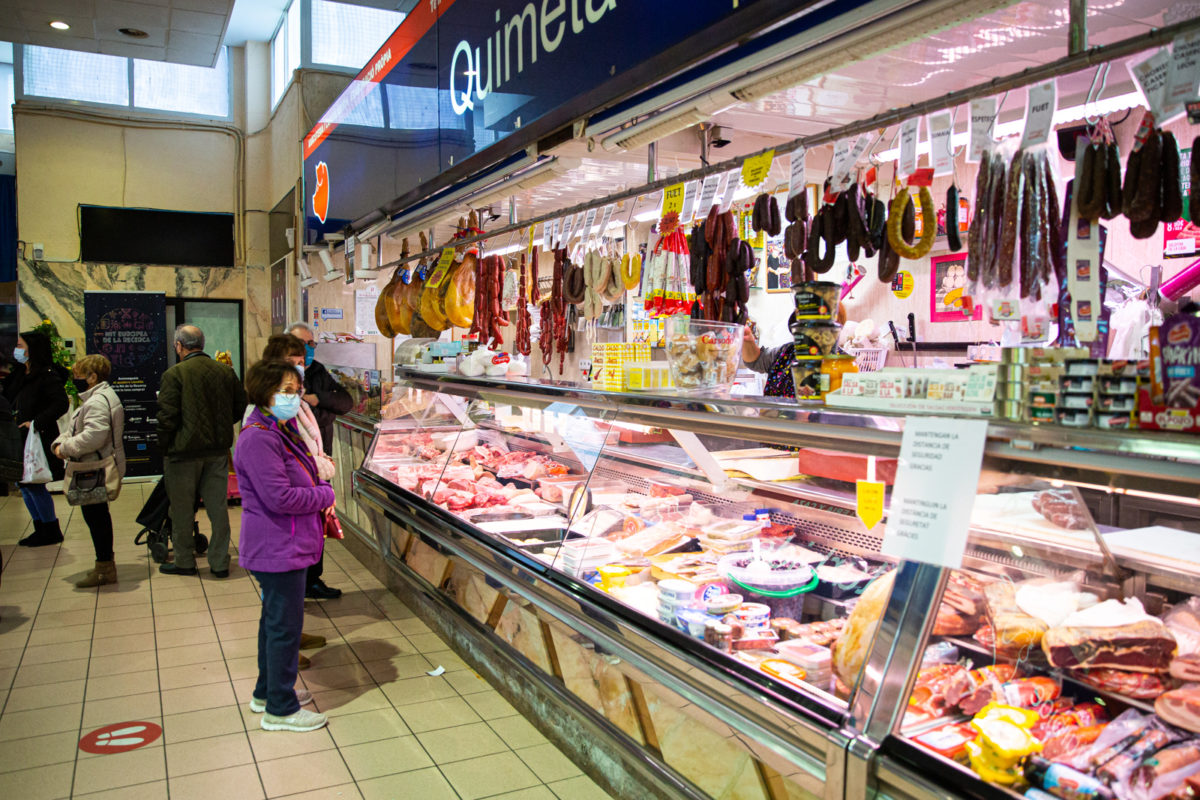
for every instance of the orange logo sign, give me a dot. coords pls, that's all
(320, 196)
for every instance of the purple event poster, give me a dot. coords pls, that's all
(130, 328)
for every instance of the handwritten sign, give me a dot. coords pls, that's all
(708, 194)
(908, 145)
(755, 169)
(983, 119)
(1151, 77)
(868, 504)
(936, 482)
(689, 201)
(672, 201)
(841, 165)
(796, 177)
(1039, 113)
(734, 183)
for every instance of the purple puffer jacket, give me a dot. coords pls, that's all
(282, 529)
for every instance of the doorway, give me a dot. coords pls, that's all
(221, 321)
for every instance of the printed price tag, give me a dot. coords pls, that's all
(841, 165)
(1151, 77)
(672, 199)
(755, 169)
(1183, 76)
(578, 229)
(708, 194)
(908, 145)
(689, 201)
(548, 234)
(605, 218)
(940, 142)
(1039, 113)
(565, 237)
(869, 502)
(442, 268)
(796, 178)
(936, 482)
(731, 187)
(983, 118)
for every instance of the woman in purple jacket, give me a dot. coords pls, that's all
(282, 532)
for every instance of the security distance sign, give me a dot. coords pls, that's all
(120, 737)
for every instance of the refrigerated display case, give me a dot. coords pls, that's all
(605, 539)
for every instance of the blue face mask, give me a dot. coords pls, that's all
(310, 352)
(20, 355)
(285, 406)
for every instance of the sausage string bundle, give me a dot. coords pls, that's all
(489, 317)
(558, 308)
(1152, 192)
(666, 292)
(524, 319)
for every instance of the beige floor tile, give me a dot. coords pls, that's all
(210, 755)
(385, 757)
(398, 668)
(427, 642)
(37, 751)
(419, 690)
(56, 719)
(125, 627)
(193, 675)
(191, 606)
(239, 614)
(237, 600)
(240, 648)
(117, 614)
(532, 793)
(347, 791)
(40, 783)
(285, 776)
(51, 694)
(548, 763)
(155, 790)
(448, 659)
(186, 636)
(228, 631)
(379, 649)
(103, 666)
(137, 643)
(332, 654)
(366, 630)
(495, 774)
(579, 788)
(123, 594)
(236, 782)
(62, 618)
(65, 604)
(464, 741)
(121, 685)
(202, 724)
(411, 626)
(11, 657)
(344, 676)
(426, 784)
(56, 652)
(179, 622)
(188, 654)
(517, 732)
(434, 714)
(142, 707)
(270, 745)
(122, 769)
(369, 726)
(195, 698)
(490, 704)
(350, 701)
(53, 672)
(467, 681)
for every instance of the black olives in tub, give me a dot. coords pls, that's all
(817, 300)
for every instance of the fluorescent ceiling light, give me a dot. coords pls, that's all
(59, 25)
(668, 122)
(503, 251)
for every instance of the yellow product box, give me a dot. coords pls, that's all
(638, 376)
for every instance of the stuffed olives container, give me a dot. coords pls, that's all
(814, 339)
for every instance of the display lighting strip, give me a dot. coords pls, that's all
(1028, 77)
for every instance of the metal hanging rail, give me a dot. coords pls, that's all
(1068, 64)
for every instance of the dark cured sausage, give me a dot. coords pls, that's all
(1172, 191)
(821, 230)
(1112, 176)
(1011, 218)
(953, 240)
(976, 234)
(1093, 182)
(1145, 201)
(995, 221)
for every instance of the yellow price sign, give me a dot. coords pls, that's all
(531, 229)
(442, 268)
(673, 199)
(869, 502)
(755, 169)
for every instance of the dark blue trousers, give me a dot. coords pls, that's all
(279, 630)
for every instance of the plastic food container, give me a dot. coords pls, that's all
(723, 604)
(814, 338)
(807, 378)
(781, 585)
(676, 591)
(817, 300)
(753, 616)
(702, 354)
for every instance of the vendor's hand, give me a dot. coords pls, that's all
(311, 399)
(23, 425)
(750, 348)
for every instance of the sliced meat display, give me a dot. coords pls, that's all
(1181, 707)
(1146, 646)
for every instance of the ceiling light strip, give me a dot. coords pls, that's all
(1067, 64)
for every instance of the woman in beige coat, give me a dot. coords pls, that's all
(95, 433)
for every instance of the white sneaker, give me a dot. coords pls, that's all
(260, 706)
(303, 720)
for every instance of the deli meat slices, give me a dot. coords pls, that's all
(1114, 635)
(1181, 708)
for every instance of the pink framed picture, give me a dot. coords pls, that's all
(948, 297)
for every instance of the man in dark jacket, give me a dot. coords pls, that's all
(198, 403)
(328, 399)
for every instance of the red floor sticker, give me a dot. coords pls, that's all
(120, 737)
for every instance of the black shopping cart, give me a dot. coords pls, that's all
(155, 519)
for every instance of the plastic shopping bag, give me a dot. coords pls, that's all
(37, 468)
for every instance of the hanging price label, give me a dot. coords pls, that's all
(735, 182)
(673, 199)
(983, 117)
(565, 237)
(578, 228)
(940, 129)
(605, 218)
(689, 201)
(1183, 75)
(708, 194)
(755, 169)
(442, 268)
(1039, 113)
(548, 235)
(841, 165)
(796, 177)
(589, 222)
(908, 145)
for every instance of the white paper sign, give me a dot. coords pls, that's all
(841, 165)
(708, 194)
(1151, 77)
(1183, 76)
(796, 179)
(908, 145)
(589, 223)
(983, 119)
(565, 237)
(940, 127)
(580, 229)
(364, 311)
(1039, 113)
(689, 201)
(548, 235)
(860, 147)
(936, 482)
(605, 218)
(735, 183)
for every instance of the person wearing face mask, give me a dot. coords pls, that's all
(283, 498)
(199, 401)
(327, 399)
(37, 390)
(286, 347)
(95, 433)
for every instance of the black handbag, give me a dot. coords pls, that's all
(12, 454)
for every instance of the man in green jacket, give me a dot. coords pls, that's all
(198, 403)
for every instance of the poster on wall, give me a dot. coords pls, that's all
(948, 298)
(130, 329)
(1182, 237)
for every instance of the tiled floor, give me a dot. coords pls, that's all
(180, 652)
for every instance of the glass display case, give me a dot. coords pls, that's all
(642, 549)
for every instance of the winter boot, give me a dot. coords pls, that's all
(105, 572)
(44, 533)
